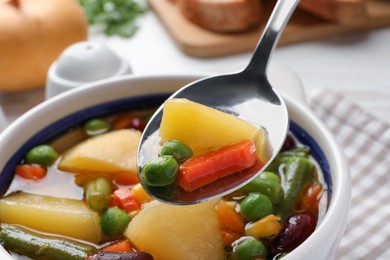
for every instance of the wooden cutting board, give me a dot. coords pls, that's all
(303, 26)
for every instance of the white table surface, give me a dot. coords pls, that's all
(355, 65)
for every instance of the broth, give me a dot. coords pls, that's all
(63, 184)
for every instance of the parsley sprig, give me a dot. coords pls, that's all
(114, 17)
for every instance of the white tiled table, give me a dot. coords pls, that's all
(357, 66)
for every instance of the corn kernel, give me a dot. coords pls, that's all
(264, 227)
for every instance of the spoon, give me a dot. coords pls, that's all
(247, 95)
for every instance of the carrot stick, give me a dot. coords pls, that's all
(125, 178)
(229, 218)
(30, 171)
(118, 246)
(126, 199)
(310, 199)
(199, 171)
(140, 194)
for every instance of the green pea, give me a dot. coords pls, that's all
(160, 171)
(272, 189)
(98, 193)
(114, 222)
(44, 155)
(267, 183)
(255, 184)
(255, 206)
(177, 150)
(249, 249)
(269, 176)
(96, 126)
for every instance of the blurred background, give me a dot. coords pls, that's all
(342, 45)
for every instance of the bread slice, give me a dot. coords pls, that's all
(225, 16)
(347, 12)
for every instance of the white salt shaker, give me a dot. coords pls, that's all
(82, 63)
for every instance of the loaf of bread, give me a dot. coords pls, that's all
(32, 35)
(347, 12)
(226, 16)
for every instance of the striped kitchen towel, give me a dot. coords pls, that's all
(365, 141)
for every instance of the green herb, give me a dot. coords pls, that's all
(115, 17)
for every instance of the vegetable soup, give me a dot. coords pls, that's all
(78, 196)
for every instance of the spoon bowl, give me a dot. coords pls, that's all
(247, 95)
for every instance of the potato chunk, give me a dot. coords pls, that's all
(177, 232)
(204, 128)
(61, 216)
(113, 152)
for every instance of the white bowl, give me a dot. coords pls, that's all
(110, 95)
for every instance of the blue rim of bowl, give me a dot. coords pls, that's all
(315, 150)
(127, 104)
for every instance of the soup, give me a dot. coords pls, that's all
(98, 210)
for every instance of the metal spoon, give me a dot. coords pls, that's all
(246, 94)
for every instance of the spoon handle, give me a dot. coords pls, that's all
(271, 34)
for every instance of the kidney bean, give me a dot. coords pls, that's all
(129, 121)
(289, 143)
(138, 124)
(120, 256)
(296, 229)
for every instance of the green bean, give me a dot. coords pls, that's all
(267, 183)
(284, 157)
(114, 222)
(98, 193)
(160, 171)
(249, 249)
(256, 205)
(177, 150)
(297, 173)
(36, 246)
(44, 155)
(300, 152)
